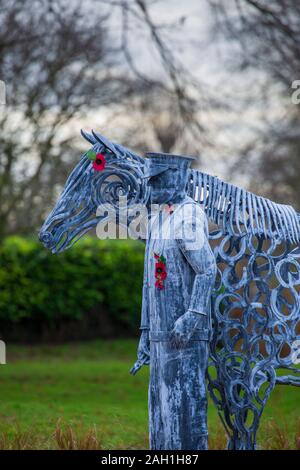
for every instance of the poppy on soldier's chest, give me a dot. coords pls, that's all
(160, 272)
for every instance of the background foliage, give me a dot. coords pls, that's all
(43, 290)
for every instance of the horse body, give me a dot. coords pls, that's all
(255, 303)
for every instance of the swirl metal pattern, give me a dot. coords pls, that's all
(255, 311)
(256, 322)
(86, 190)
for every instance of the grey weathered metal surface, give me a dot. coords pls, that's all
(255, 300)
(87, 189)
(179, 275)
(255, 311)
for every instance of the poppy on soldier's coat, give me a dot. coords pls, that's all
(170, 208)
(159, 285)
(160, 271)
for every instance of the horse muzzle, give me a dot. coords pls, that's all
(47, 239)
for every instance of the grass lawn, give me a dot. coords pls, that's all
(81, 395)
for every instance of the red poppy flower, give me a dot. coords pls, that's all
(163, 276)
(160, 267)
(159, 285)
(170, 209)
(160, 271)
(99, 162)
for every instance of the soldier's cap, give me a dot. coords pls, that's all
(157, 163)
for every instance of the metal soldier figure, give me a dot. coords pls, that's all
(179, 277)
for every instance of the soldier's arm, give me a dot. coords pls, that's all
(195, 247)
(193, 243)
(145, 321)
(143, 352)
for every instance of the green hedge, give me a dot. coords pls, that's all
(40, 286)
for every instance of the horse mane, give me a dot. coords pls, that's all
(235, 210)
(118, 150)
(238, 211)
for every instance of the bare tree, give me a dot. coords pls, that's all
(55, 61)
(172, 106)
(62, 60)
(268, 38)
(157, 122)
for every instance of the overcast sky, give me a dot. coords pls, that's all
(205, 56)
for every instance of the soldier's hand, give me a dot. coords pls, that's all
(143, 352)
(144, 346)
(138, 364)
(184, 328)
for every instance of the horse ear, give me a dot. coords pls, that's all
(104, 141)
(88, 137)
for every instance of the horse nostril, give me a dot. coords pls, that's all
(46, 238)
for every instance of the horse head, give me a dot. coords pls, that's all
(104, 173)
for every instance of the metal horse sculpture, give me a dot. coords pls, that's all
(255, 303)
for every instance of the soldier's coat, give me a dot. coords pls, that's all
(177, 392)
